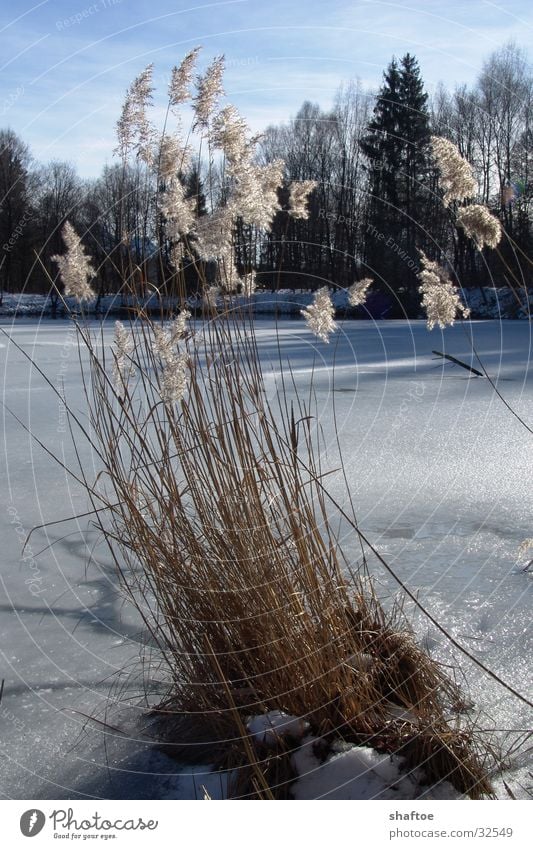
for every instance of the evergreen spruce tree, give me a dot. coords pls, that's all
(396, 148)
(194, 188)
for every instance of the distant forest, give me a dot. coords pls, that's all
(377, 202)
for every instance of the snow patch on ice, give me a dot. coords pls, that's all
(359, 772)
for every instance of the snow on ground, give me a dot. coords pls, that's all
(358, 772)
(439, 472)
(348, 772)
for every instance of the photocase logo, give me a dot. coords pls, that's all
(32, 822)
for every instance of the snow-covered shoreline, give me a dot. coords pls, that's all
(488, 302)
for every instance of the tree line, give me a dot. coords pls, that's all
(377, 202)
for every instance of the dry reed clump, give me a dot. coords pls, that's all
(219, 524)
(213, 505)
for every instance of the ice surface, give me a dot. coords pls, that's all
(439, 472)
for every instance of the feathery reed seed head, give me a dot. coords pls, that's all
(357, 292)
(299, 198)
(456, 175)
(440, 300)
(208, 91)
(174, 156)
(162, 343)
(179, 211)
(480, 225)
(165, 340)
(178, 328)
(214, 233)
(75, 269)
(133, 128)
(174, 378)
(124, 346)
(178, 90)
(255, 197)
(320, 315)
(230, 133)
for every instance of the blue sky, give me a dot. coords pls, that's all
(66, 65)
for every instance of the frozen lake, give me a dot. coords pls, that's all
(439, 471)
